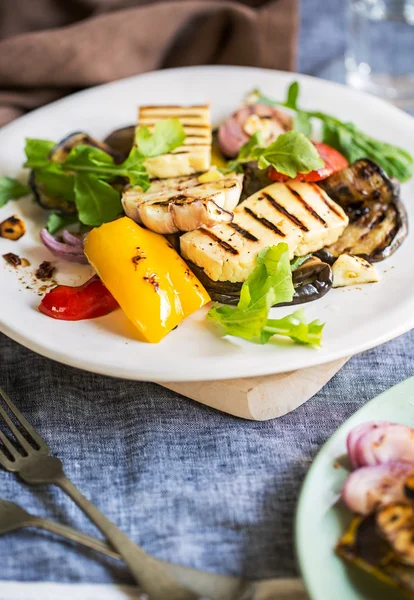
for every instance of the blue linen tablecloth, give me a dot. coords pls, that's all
(189, 484)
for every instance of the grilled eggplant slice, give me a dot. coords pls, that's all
(45, 195)
(47, 199)
(61, 151)
(312, 280)
(254, 179)
(377, 218)
(364, 548)
(121, 140)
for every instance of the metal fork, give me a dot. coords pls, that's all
(215, 586)
(31, 459)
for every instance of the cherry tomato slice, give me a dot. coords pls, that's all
(334, 161)
(86, 301)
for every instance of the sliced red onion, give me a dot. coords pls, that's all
(369, 487)
(71, 239)
(355, 434)
(63, 250)
(386, 443)
(231, 135)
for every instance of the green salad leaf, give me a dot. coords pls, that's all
(57, 183)
(298, 261)
(295, 327)
(168, 134)
(86, 174)
(290, 154)
(345, 137)
(269, 283)
(11, 189)
(97, 202)
(37, 152)
(55, 222)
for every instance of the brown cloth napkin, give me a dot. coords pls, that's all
(50, 48)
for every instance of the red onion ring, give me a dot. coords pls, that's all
(231, 135)
(386, 443)
(369, 487)
(355, 434)
(71, 239)
(70, 253)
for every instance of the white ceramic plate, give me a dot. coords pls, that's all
(321, 520)
(356, 319)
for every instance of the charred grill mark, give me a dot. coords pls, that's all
(156, 107)
(140, 255)
(219, 241)
(244, 233)
(377, 221)
(265, 222)
(152, 279)
(192, 125)
(331, 207)
(284, 212)
(310, 210)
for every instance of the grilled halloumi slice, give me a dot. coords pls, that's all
(194, 156)
(352, 270)
(299, 214)
(183, 203)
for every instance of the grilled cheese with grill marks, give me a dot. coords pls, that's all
(299, 214)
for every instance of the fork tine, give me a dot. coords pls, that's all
(9, 446)
(31, 432)
(5, 461)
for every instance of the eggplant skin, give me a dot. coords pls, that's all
(121, 140)
(312, 280)
(48, 201)
(363, 547)
(378, 221)
(254, 179)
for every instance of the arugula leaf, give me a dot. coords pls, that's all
(167, 135)
(269, 283)
(56, 222)
(37, 152)
(295, 327)
(298, 261)
(97, 202)
(292, 96)
(88, 159)
(87, 156)
(346, 137)
(11, 189)
(137, 172)
(290, 154)
(302, 123)
(85, 175)
(57, 183)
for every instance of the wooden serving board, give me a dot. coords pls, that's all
(260, 398)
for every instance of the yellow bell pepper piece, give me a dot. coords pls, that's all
(151, 282)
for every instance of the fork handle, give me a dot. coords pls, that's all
(73, 534)
(149, 574)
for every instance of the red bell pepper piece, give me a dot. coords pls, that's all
(86, 301)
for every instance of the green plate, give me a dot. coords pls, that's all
(321, 519)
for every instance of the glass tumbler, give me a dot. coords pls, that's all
(380, 48)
